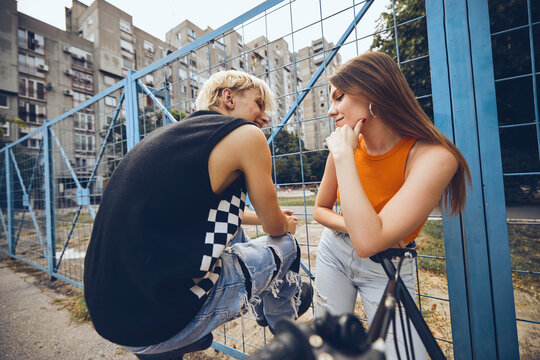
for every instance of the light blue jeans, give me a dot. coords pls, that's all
(341, 274)
(273, 294)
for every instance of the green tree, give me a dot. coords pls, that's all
(515, 101)
(286, 149)
(3, 120)
(411, 29)
(149, 120)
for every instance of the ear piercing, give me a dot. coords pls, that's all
(371, 111)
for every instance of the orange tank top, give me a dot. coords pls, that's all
(383, 175)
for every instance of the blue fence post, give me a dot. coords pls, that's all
(132, 111)
(464, 102)
(453, 236)
(49, 201)
(166, 95)
(493, 187)
(10, 235)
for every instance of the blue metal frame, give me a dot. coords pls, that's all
(132, 108)
(156, 101)
(26, 202)
(321, 69)
(228, 350)
(478, 265)
(49, 200)
(29, 191)
(206, 38)
(464, 103)
(493, 190)
(9, 198)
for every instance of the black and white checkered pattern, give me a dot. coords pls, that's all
(203, 285)
(222, 224)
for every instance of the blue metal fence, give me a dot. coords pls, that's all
(50, 189)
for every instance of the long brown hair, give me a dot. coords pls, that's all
(376, 77)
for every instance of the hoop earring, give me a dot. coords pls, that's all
(371, 111)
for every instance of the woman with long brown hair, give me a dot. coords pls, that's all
(388, 167)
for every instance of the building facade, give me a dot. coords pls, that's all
(316, 126)
(47, 71)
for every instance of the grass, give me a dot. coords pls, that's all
(524, 241)
(297, 201)
(430, 242)
(76, 305)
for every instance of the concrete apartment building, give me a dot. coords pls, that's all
(46, 71)
(118, 47)
(195, 68)
(316, 126)
(273, 62)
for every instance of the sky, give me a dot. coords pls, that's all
(156, 19)
(162, 15)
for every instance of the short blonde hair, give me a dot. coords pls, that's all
(237, 81)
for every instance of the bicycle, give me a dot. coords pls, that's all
(344, 338)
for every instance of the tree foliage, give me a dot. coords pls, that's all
(295, 166)
(515, 102)
(149, 120)
(15, 120)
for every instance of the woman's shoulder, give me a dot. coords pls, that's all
(424, 151)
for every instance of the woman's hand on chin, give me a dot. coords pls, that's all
(344, 139)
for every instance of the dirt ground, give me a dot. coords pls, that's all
(35, 324)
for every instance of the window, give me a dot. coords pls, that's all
(148, 46)
(4, 101)
(83, 122)
(32, 143)
(109, 80)
(125, 26)
(81, 58)
(219, 45)
(110, 101)
(31, 112)
(194, 91)
(79, 98)
(31, 88)
(128, 63)
(5, 127)
(31, 41)
(82, 81)
(80, 164)
(178, 36)
(29, 64)
(83, 143)
(125, 45)
(191, 33)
